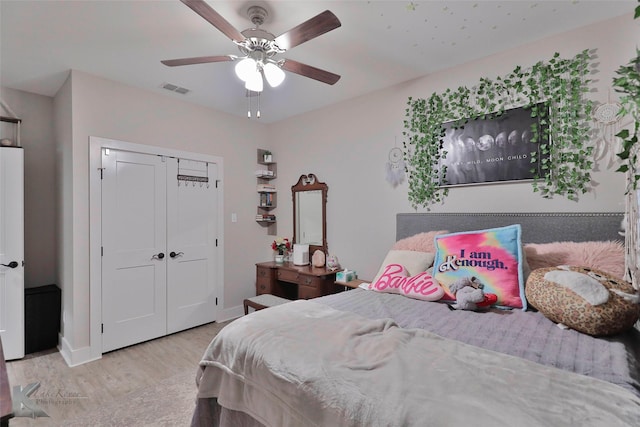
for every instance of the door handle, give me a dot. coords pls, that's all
(158, 256)
(175, 254)
(12, 264)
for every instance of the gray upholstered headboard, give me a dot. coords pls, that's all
(543, 227)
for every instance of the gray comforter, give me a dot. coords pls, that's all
(305, 364)
(525, 334)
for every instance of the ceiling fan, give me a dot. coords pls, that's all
(259, 47)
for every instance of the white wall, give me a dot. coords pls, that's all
(107, 109)
(347, 146)
(37, 138)
(64, 198)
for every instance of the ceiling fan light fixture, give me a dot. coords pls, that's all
(274, 74)
(254, 82)
(246, 69)
(258, 47)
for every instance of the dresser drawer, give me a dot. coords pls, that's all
(311, 281)
(308, 292)
(265, 280)
(263, 288)
(290, 276)
(265, 273)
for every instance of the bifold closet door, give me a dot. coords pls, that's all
(12, 251)
(134, 285)
(192, 204)
(159, 238)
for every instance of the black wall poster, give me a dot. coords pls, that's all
(492, 150)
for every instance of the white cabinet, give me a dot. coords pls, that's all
(12, 251)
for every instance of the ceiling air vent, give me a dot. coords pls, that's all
(174, 88)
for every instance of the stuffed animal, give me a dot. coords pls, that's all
(332, 262)
(469, 294)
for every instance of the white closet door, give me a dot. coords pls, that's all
(134, 307)
(191, 227)
(12, 252)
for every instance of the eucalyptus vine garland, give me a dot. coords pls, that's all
(628, 83)
(553, 91)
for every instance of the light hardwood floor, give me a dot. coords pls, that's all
(121, 376)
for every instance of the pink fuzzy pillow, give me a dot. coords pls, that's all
(607, 256)
(421, 242)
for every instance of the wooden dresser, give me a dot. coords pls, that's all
(294, 281)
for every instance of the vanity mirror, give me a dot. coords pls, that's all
(309, 213)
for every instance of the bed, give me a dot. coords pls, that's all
(366, 358)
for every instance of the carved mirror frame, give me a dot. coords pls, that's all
(310, 182)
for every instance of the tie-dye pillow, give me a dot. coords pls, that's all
(493, 256)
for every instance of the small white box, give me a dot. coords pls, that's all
(300, 254)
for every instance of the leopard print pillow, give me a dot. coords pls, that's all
(563, 305)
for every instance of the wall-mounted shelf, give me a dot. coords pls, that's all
(10, 131)
(267, 194)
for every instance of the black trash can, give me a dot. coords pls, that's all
(42, 318)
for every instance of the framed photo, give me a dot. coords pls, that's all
(494, 149)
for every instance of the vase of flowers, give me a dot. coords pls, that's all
(281, 246)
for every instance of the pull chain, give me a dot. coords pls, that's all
(248, 95)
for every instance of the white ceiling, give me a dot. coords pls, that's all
(380, 44)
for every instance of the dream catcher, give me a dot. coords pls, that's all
(607, 145)
(395, 167)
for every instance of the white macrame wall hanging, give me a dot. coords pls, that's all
(607, 144)
(395, 167)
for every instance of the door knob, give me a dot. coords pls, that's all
(12, 264)
(158, 256)
(175, 254)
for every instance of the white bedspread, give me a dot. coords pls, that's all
(306, 364)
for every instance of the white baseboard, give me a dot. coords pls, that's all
(75, 357)
(230, 313)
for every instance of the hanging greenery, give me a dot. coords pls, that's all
(628, 83)
(553, 91)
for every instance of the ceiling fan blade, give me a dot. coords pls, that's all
(312, 28)
(309, 71)
(197, 60)
(214, 18)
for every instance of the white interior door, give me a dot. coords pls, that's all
(134, 247)
(191, 228)
(12, 251)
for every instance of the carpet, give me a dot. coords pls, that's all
(169, 403)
